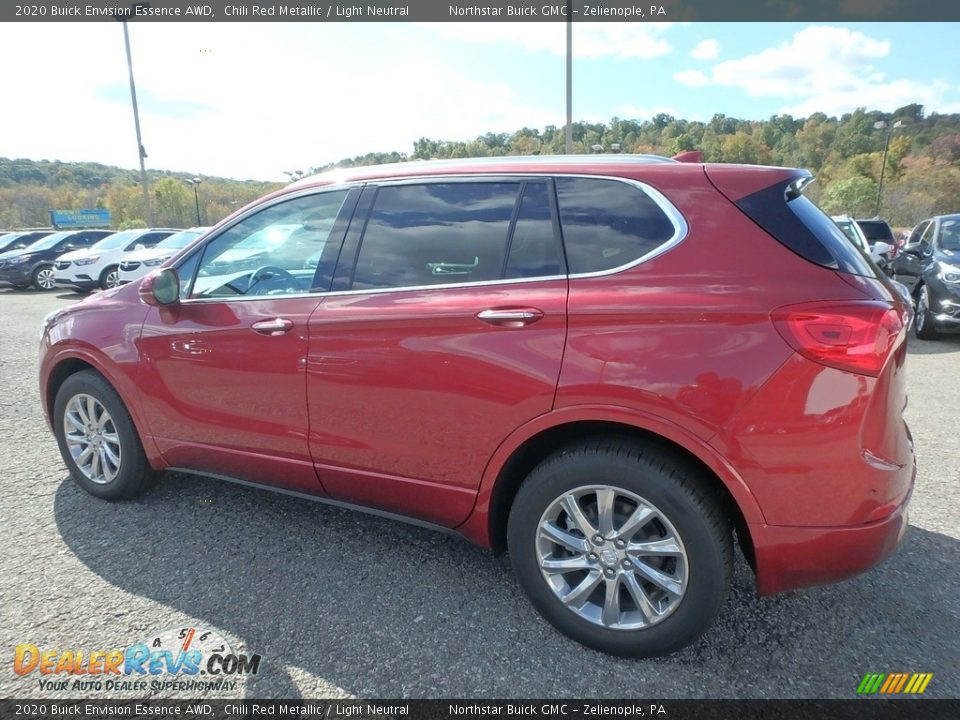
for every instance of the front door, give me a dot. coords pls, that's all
(223, 370)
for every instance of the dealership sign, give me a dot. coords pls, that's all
(91, 217)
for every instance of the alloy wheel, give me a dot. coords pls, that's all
(45, 279)
(612, 557)
(92, 439)
(923, 307)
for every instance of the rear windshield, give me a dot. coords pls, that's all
(875, 230)
(784, 212)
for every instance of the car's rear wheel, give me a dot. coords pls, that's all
(923, 323)
(98, 440)
(621, 547)
(43, 278)
(110, 278)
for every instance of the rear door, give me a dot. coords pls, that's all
(223, 371)
(444, 333)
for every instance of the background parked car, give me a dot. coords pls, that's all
(879, 231)
(930, 266)
(18, 240)
(98, 266)
(880, 252)
(137, 263)
(33, 265)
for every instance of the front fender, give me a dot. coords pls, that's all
(117, 361)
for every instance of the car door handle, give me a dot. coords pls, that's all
(510, 317)
(273, 327)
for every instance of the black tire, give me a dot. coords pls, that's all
(42, 278)
(923, 322)
(105, 277)
(134, 474)
(680, 497)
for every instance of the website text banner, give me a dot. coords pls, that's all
(490, 11)
(556, 709)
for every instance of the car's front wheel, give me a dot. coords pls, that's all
(923, 323)
(621, 547)
(110, 278)
(43, 278)
(97, 438)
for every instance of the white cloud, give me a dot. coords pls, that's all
(693, 78)
(815, 59)
(239, 101)
(706, 50)
(830, 70)
(590, 40)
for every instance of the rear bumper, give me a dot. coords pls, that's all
(788, 558)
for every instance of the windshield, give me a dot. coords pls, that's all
(266, 239)
(14, 241)
(49, 241)
(950, 234)
(117, 240)
(179, 240)
(851, 230)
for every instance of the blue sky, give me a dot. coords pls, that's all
(251, 101)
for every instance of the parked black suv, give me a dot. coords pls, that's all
(33, 264)
(929, 265)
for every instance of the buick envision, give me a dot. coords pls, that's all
(610, 366)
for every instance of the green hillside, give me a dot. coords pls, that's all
(921, 177)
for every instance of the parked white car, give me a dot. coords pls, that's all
(879, 251)
(137, 263)
(98, 266)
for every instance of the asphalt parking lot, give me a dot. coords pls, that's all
(344, 604)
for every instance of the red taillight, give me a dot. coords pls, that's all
(853, 336)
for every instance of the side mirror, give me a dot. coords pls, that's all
(912, 250)
(161, 287)
(139, 246)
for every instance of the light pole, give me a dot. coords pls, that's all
(195, 183)
(141, 151)
(881, 125)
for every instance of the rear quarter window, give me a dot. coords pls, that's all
(607, 224)
(797, 223)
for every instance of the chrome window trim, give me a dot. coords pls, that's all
(681, 229)
(380, 291)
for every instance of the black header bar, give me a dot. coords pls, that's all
(481, 11)
(555, 709)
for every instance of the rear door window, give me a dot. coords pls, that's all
(608, 224)
(436, 234)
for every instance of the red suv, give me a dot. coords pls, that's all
(610, 366)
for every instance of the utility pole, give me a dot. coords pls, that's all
(148, 208)
(568, 135)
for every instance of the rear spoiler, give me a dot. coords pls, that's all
(690, 156)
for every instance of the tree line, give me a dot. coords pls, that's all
(921, 176)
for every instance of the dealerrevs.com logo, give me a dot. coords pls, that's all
(190, 659)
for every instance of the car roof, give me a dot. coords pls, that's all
(484, 165)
